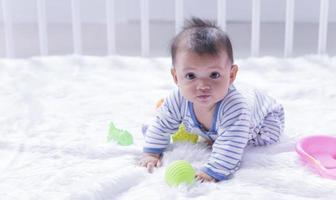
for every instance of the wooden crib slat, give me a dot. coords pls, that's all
(76, 27)
(8, 28)
(323, 27)
(289, 29)
(42, 27)
(255, 30)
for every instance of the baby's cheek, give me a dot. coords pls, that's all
(186, 91)
(221, 88)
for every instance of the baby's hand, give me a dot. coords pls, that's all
(150, 161)
(203, 177)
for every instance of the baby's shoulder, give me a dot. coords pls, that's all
(175, 100)
(236, 102)
(248, 91)
(175, 96)
(234, 97)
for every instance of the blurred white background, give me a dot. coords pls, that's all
(162, 27)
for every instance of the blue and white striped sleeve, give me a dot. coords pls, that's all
(166, 122)
(228, 148)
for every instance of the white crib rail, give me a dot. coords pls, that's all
(76, 27)
(42, 27)
(255, 31)
(145, 26)
(8, 27)
(178, 15)
(289, 29)
(221, 16)
(323, 26)
(110, 27)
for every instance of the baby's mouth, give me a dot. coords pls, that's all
(203, 97)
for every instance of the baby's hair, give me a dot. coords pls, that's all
(202, 37)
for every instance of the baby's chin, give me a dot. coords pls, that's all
(204, 102)
(204, 99)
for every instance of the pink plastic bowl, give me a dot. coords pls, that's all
(319, 153)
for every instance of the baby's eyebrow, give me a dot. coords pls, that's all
(211, 68)
(216, 67)
(189, 69)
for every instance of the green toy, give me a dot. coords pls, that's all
(122, 137)
(184, 136)
(178, 172)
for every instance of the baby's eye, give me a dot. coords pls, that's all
(190, 76)
(214, 75)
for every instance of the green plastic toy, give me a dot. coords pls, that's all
(184, 136)
(122, 137)
(179, 171)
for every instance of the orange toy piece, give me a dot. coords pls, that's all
(159, 103)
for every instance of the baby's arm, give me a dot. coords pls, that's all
(228, 148)
(157, 136)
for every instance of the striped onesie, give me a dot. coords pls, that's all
(244, 116)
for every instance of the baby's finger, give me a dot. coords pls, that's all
(159, 163)
(142, 162)
(197, 177)
(201, 180)
(150, 167)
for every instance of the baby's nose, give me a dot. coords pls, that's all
(203, 85)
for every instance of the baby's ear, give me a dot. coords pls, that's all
(173, 73)
(233, 73)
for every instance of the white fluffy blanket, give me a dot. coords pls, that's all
(55, 113)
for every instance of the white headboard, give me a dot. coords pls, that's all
(149, 36)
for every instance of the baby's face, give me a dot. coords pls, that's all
(203, 79)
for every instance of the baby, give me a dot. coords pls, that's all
(208, 104)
